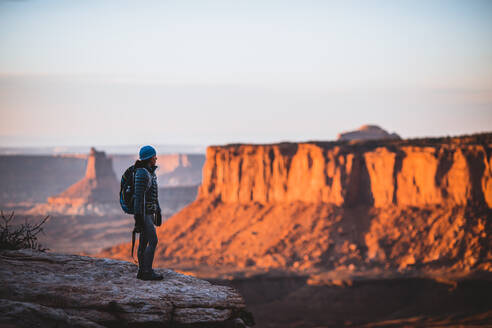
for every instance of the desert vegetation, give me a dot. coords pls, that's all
(20, 236)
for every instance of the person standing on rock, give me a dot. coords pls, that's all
(147, 211)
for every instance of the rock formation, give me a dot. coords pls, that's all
(96, 193)
(55, 290)
(379, 175)
(31, 179)
(173, 169)
(403, 205)
(367, 132)
(85, 215)
(173, 199)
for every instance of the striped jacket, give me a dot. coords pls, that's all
(146, 191)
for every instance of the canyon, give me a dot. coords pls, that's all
(95, 193)
(410, 204)
(29, 180)
(334, 215)
(85, 215)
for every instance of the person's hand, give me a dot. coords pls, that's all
(139, 223)
(158, 219)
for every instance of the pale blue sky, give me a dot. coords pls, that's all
(98, 72)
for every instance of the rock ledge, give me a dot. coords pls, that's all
(48, 290)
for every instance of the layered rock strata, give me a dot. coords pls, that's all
(374, 175)
(172, 169)
(98, 186)
(418, 205)
(48, 290)
(96, 193)
(29, 180)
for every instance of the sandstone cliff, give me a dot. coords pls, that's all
(96, 193)
(172, 169)
(55, 290)
(98, 186)
(409, 205)
(339, 174)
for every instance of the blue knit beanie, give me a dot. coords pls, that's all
(147, 152)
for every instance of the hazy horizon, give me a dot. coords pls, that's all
(109, 149)
(200, 73)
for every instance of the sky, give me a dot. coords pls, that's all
(116, 72)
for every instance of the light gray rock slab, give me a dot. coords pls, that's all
(23, 314)
(192, 315)
(81, 291)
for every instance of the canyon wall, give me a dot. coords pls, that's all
(172, 170)
(33, 179)
(376, 175)
(28, 180)
(94, 194)
(99, 184)
(372, 206)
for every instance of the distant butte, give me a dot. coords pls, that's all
(367, 132)
(98, 186)
(96, 193)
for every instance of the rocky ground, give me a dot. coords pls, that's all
(54, 290)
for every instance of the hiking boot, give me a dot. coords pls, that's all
(152, 275)
(139, 274)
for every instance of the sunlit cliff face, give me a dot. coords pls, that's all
(379, 176)
(396, 205)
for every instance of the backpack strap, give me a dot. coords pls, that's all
(133, 242)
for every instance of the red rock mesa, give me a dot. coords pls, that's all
(394, 205)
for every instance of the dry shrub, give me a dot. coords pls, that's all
(20, 236)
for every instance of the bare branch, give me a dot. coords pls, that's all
(23, 236)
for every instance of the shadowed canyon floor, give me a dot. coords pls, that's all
(390, 302)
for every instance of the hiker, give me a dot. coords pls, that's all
(147, 211)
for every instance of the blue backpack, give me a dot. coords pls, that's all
(127, 190)
(127, 195)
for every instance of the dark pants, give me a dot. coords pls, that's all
(147, 244)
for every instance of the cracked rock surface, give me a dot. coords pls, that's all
(57, 290)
